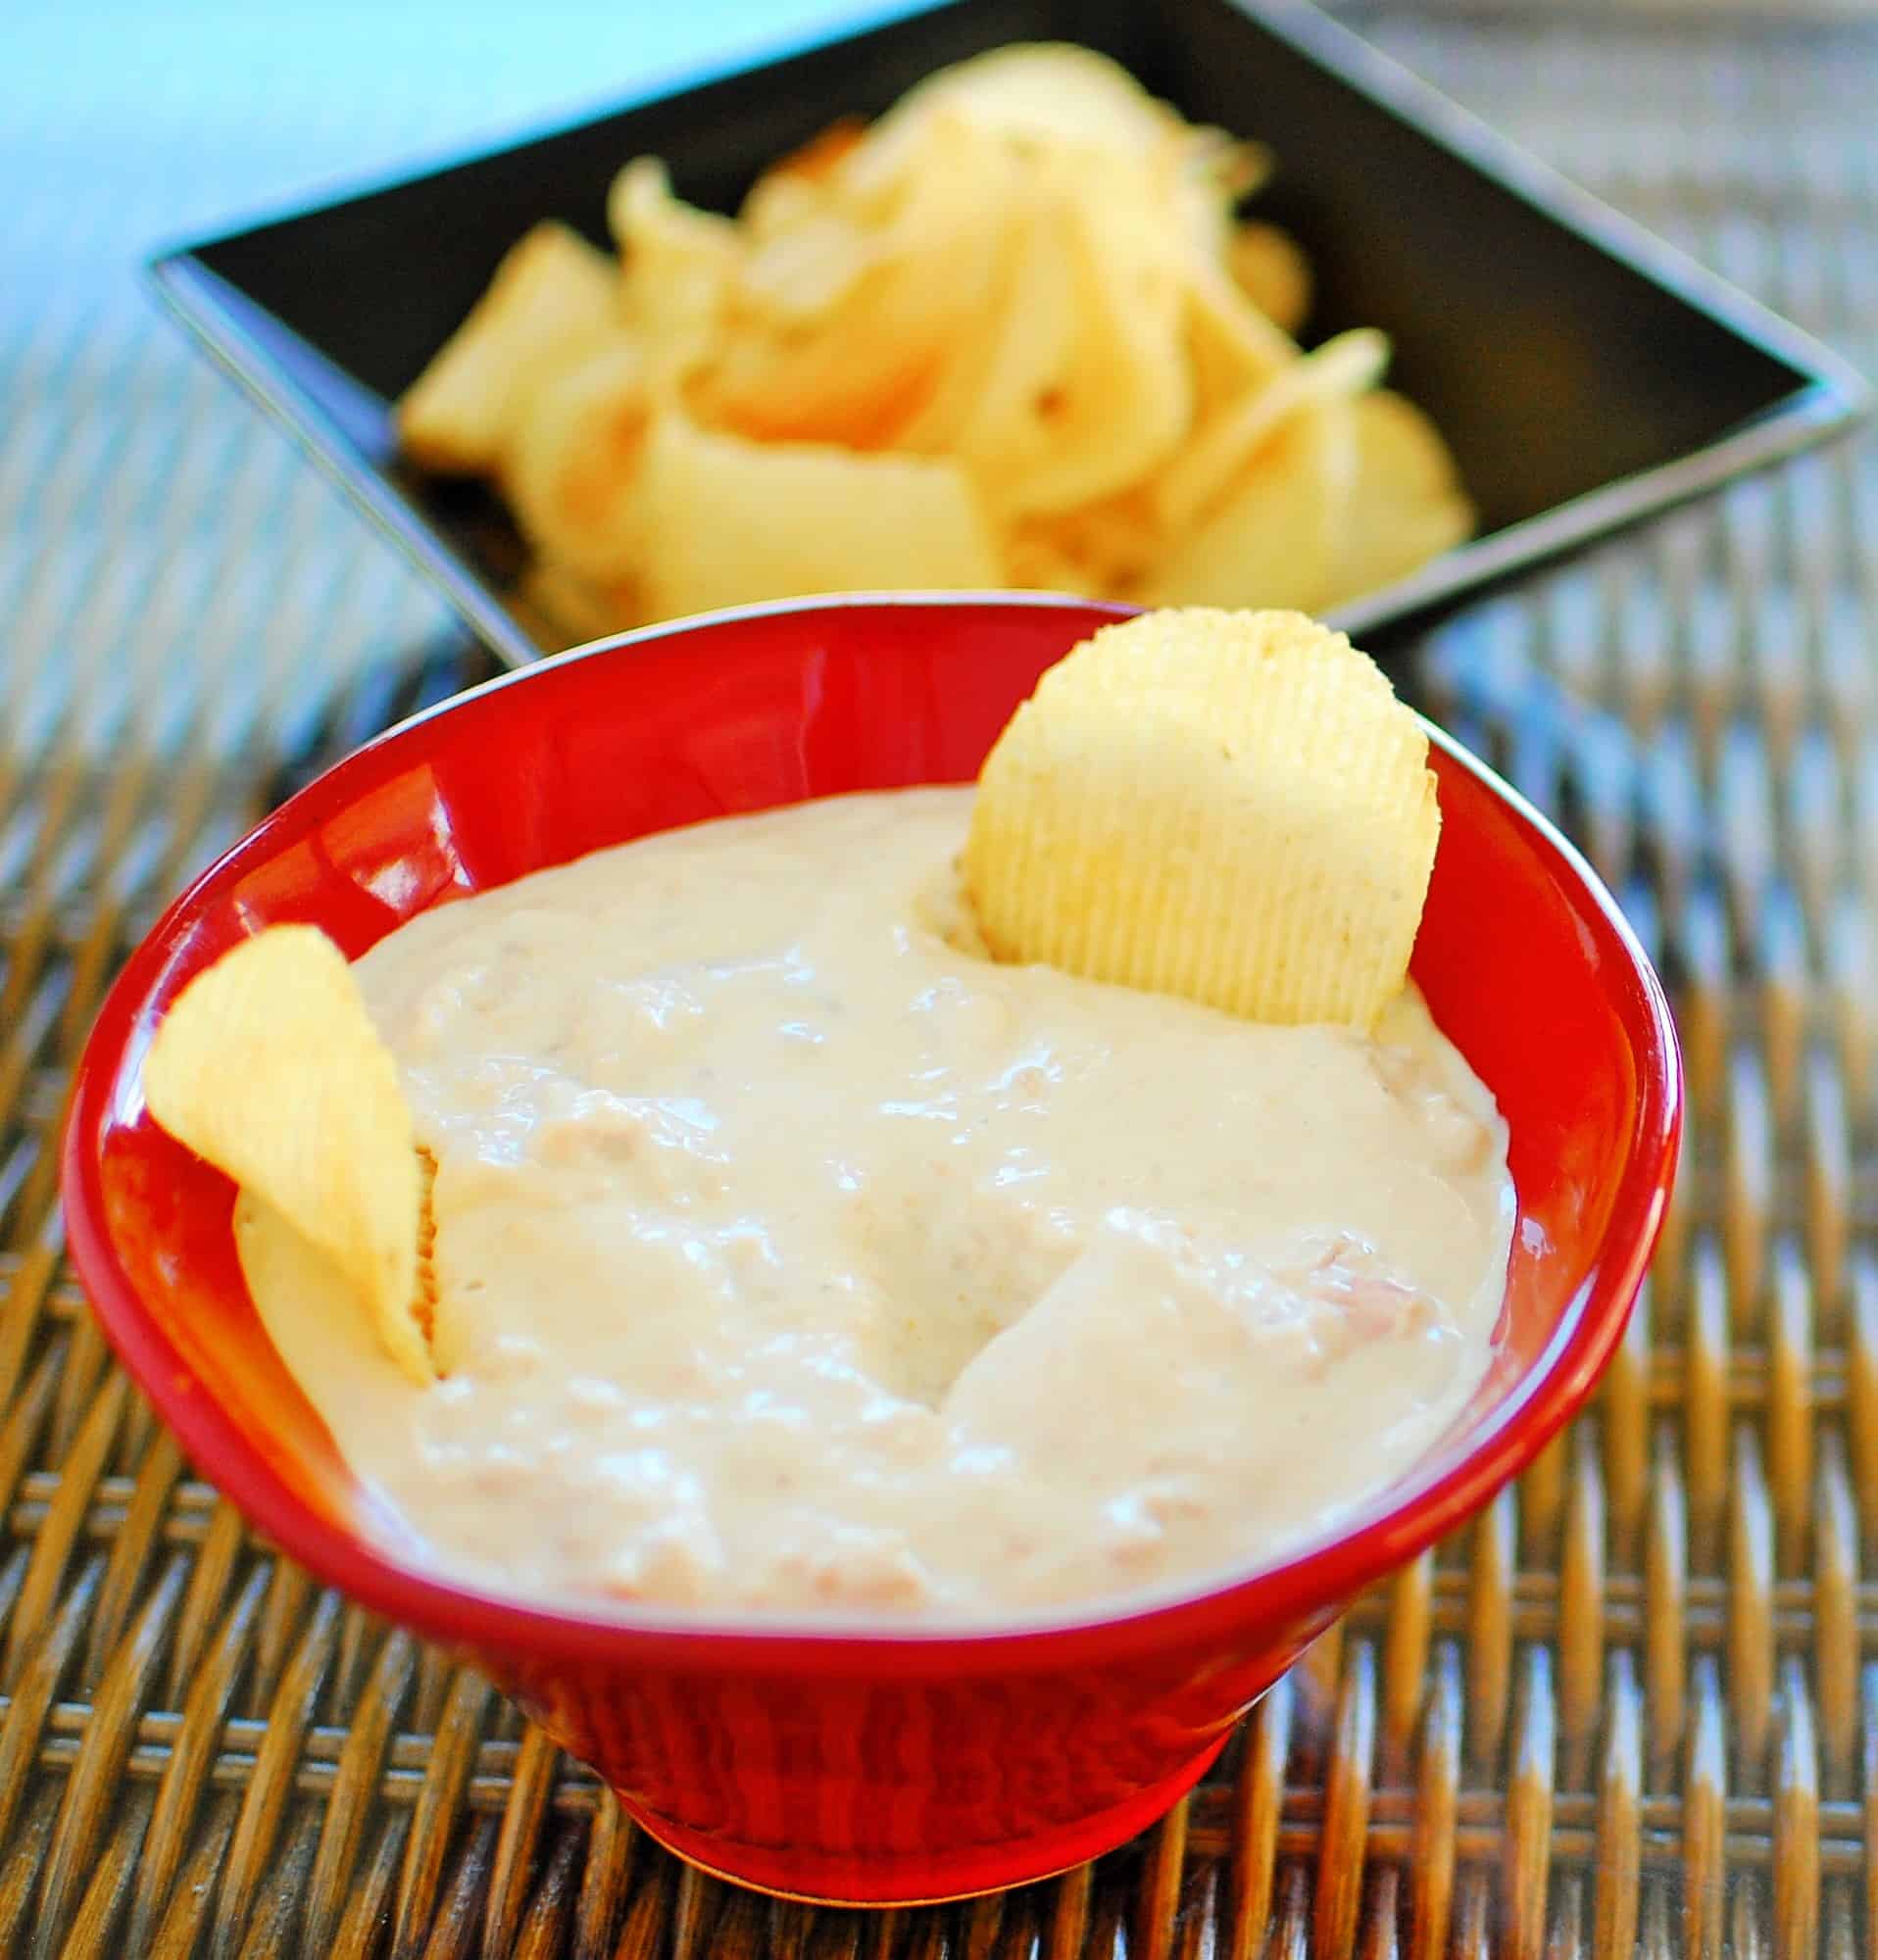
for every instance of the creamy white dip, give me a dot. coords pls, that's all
(791, 1256)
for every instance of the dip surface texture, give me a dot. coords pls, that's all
(790, 1256)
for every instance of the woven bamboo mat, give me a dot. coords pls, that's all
(1633, 1709)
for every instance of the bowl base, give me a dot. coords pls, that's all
(925, 1878)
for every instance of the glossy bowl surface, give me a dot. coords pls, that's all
(852, 1762)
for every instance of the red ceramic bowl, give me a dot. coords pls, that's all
(849, 1762)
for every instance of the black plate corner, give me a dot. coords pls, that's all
(1587, 374)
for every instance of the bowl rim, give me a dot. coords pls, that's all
(1311, 1576)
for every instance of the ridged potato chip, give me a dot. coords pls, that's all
(268, 1065)
(1229, 807)
(553, 297)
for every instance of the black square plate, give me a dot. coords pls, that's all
(1585, 373)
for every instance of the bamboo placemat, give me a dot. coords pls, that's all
(1633, 1709)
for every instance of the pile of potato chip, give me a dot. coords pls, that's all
(1011, 334)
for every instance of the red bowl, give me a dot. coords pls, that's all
(842, 1761)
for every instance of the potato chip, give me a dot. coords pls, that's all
(1045, 93)
(1213, 173)
(1229, 807)
(679, 268)
(858, 370)
(1272, 272)
(1207, 466)
(268, 1065)
(1043, 558)
(553, 297)
(728, 521)
(780, 200)
(1233, 349)
(572, 468)
(1405, 501)
(1271, 540)
(1087, 387)
(1070, 378)
(561, 609)
(1107, 548)
(1014, 330)
(795, 277)
(811, 165)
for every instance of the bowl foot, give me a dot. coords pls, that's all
(822, 1877)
